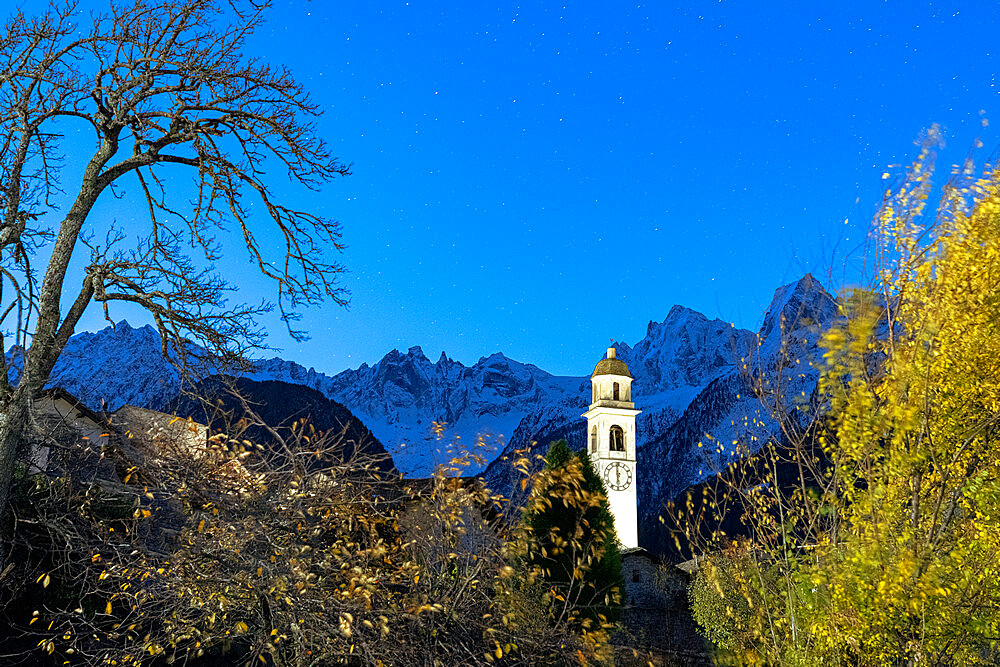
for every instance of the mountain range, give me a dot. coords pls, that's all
(691, 383)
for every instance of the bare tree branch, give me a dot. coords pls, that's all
(166, 88)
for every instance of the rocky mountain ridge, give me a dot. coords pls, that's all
(698, 383)
(689, 374)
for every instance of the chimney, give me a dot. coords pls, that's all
(611, 353)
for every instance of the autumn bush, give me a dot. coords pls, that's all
(241, 553)
(730, 596)
(882, 535)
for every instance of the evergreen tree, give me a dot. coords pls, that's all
(574, 550)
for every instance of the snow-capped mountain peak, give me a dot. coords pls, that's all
(686, 349)
(794, 307)
(688, 373)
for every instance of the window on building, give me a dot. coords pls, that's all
(617, 439)
(635, 576)
(593, 439)
(616, 391)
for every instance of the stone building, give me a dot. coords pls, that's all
(61, 417)
(656, 617)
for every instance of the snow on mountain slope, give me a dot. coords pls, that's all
(696, 396)
(783, 368)
(400, 397)
(688, 383)
(685, 350)
(115, 366)
(671, 366)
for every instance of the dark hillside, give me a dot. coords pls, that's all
(718, 502)
(279, 404)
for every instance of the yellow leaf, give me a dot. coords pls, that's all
(107, 608)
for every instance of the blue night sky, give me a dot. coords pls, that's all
(540, 178)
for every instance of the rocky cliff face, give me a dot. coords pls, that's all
(403, 395)
(698, 383)
(676, 360)
(685, 350)
(780, 367)
(691, 383)
(118, 365)
(398, 399)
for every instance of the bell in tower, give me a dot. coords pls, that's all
(611, 442)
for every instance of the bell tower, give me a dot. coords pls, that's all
(611, 442)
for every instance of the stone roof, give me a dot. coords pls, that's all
(611, 367)
(627, 552)
(690, 566)
(162, 432)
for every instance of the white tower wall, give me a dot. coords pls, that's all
(615, 466)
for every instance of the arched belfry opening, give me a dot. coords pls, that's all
(593, 439)
(616, 392)
(617, 439)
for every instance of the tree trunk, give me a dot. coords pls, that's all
(14, 419)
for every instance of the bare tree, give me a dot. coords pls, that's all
(163, 87)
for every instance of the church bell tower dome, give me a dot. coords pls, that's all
(611, 365)
(611, 442)
(611, 381)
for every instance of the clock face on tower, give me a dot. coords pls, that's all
(617, 476)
